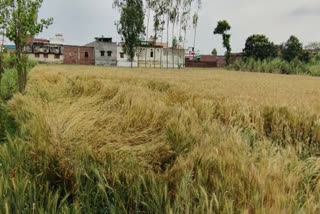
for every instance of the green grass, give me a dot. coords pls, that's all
(278, 66)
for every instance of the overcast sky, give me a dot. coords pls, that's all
(82, 20)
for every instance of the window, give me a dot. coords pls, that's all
(57, 56)
(121, 55)
(37, 55)
(109, 53)
(102, 53)
(86, 54)
(151, 54)
(45, 56)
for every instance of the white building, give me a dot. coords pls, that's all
(57, 40)
(152, 56)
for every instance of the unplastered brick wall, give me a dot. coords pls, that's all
(79, 55)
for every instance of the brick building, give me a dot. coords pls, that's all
(79, 55)
(210, 61)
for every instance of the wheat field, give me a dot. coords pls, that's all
(118, 140)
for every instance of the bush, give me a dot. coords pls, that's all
(7, 124)
(8, 84)
(9, 80)
(9, 61)
(274, 66)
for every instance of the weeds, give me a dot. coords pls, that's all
(276, 66)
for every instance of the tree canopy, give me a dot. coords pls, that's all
(260, 48)
(131, 26)
(292, 49)
(19, 19)
(222, 28)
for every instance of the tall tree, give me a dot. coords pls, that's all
(222, 28)
(162, 5)
(131, 26)
(185, 20)
(149, 5)
(158, 7)
(292, 49)
(22, 23)
(195, 20)
(1, 57)
(185, 4)
(173, 18)
(169, 4)
(3, 24)
(163, 10)
(259, 47)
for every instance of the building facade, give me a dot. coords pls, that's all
(79, 55)
(41, 50)
(152, 56)
(105, 51)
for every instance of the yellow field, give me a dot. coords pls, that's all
(244, 87)
(177, 141)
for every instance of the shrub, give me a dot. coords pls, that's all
(273, 66)
(9, 79)
(7, 124)
(9, 60)
(8, 84)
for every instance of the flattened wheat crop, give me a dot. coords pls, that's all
(117, 140)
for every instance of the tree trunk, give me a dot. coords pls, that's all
(148, 20)
(179, 45)
(1, 69)
(161, 52)
(173, 25)
(138, 63)
(21, 62)
(19, 69)
(1, 59)
(168, 42)
(194, 42)
(155, 50)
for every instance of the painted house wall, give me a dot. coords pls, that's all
(44, 52)
(79, 55)
(50, 58)
(150, 57)
(153, 57)
(122, 59)
(173, 58)
(105, 53)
